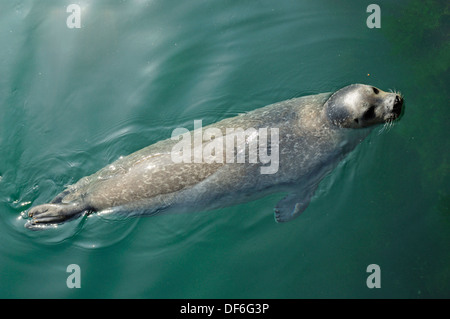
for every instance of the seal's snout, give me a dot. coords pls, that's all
(398, 103)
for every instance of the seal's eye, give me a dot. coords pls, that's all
(375, 90)
(370, 113)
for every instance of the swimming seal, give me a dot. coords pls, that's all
(315, 133)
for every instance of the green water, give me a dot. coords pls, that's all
(74, 100)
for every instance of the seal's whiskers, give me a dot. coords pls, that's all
(386, 127)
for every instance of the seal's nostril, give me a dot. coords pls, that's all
(398, 102)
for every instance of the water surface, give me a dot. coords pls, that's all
(74, 100)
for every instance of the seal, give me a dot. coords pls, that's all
(315, 133)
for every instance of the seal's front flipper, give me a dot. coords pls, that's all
(53, 214)
(293, 205)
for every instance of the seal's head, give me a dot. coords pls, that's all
(360, 105)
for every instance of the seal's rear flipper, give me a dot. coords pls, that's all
(59, 197)
(53, 214)
(293, 205)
